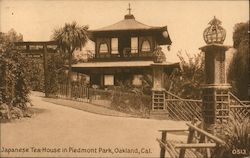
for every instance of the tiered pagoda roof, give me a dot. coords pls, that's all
(130, 24)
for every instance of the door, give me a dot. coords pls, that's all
(124, 46)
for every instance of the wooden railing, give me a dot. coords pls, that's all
(199, 144)
(188, 109)
(125, 54)
(178, 108)
(183, 109)
(238, 109)
(133, 103)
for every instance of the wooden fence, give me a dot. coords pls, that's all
(183, 109)
(178, 108)
(199, 144)
(189, 109)
(238, 109)
(135, 103)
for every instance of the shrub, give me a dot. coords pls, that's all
(13, 84)
(131, 100)
(237, 137)
(35, 74)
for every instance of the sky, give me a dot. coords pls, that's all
(186, 20)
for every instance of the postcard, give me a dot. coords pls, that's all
(124, 79)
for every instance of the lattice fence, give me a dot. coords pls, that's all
(183, 109)
(188, 109)
(238, 109)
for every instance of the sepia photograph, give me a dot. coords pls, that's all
(124, 79)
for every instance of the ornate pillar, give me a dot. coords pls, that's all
(158, 91)
(215, 97)
(159, 109)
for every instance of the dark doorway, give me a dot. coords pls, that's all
(124, 44)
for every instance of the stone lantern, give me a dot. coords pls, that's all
(215, 98)
(159, 109)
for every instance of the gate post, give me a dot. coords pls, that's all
(159, 109)
(158, 90)
(215, 97)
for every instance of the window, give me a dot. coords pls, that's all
(108, 80)
(103, 48)
(114, 45)
(137, 81)
(134, 44)
(145, 46)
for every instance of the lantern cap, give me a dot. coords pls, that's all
(215, 33)
(215, 21)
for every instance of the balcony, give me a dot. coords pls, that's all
(126, 54)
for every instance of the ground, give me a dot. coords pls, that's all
(56, 126)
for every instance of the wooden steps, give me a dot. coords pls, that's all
(158, 100)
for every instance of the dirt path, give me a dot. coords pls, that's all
(54, 126)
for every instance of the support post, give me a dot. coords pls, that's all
(215, 97)
(163, 139)
(189, 140)
(158, 91)
(45, 64)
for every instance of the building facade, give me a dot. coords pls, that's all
(124, 52)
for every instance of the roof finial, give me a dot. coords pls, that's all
(129, 9)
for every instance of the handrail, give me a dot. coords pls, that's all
(173, 130)
(234, 97)
(173, 95)
(200, 145)
(191, 100)
(246, 102)
(197, 100)
(240, 106)
(214, 138)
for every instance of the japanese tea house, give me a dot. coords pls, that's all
(124, 51)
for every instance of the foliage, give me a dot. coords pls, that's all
(14, 90)
(184, 82)
(240, 64)
(56, 72)
(7, 39)
(35, 74)
(187, 81)
(147, 84)
(237, 137)
(70, 38)
(131, 100)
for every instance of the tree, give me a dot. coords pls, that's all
(56, 74)
(13, 81)
(70, 38)
(186, 81)
(239, 68)
(7, 39)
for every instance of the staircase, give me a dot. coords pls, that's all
(159, 109)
